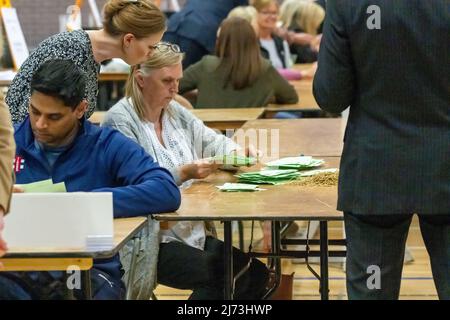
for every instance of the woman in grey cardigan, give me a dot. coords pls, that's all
(190, 257)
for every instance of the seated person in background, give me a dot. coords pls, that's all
(190, 257)
(237, 76)
(273, 47)
(303, 19)
(250, 14)
(57, 142)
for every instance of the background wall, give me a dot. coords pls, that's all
(40, 18)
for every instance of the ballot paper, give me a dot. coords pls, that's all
(233, 160)
(44, 186)
(239, 187)
(269, 176)
(299, 163)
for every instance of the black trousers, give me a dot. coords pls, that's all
(184, 267)
(376, 248)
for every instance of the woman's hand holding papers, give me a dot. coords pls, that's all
(199, 169)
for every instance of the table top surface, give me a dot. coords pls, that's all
(321, 137)
(228, 114)
(306, 101)
(203, 201)
(124, 230)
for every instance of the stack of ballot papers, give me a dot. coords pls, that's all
(298, 163)
(269, 176)
(44, 186)
(237, 187)
(233, 160)
(99, 242)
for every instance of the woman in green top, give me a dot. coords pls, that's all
(237, 76)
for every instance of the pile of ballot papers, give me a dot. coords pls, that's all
(298, 163)
(269, 176)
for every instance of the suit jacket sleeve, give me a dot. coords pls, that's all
(334, 82)
(7, 149)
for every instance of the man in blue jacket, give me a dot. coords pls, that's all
(56, 142)
(194, 28)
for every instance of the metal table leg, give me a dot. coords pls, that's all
(131, 273)
(324, 260)
(228, 257)
(87, 288)
(241, 235)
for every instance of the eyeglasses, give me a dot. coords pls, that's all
(165, 46)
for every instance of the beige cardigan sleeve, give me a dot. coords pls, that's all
(7, 150)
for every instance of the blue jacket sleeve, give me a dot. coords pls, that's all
(334, 81)
(143, 187)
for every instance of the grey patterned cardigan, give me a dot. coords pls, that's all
(123, 118)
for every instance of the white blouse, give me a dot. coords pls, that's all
(186, 139)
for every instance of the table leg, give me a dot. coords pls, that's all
(324, 260)
(228, 261)
(87, 288)
(132, 271)
(241, 235)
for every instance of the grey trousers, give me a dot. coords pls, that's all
(376, 249)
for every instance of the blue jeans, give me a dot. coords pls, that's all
(52, 286)
(10, 290)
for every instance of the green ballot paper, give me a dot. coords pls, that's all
(234, 160)
(43, 187)
(239, 187)
(299, 163)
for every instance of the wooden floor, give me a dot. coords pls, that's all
(417, 282)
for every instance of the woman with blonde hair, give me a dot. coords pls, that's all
(131, 31)
(248, 13)
(237, 76)
(273, 46)
(303, 19)
(190, 256)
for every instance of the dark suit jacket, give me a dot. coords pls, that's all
(199, 20)
(396, 80)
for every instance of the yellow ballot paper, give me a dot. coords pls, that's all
(43, 186)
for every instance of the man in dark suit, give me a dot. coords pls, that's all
(390, 62)
(194, 28)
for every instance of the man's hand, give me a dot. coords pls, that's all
(199, 169)
(17, 189)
